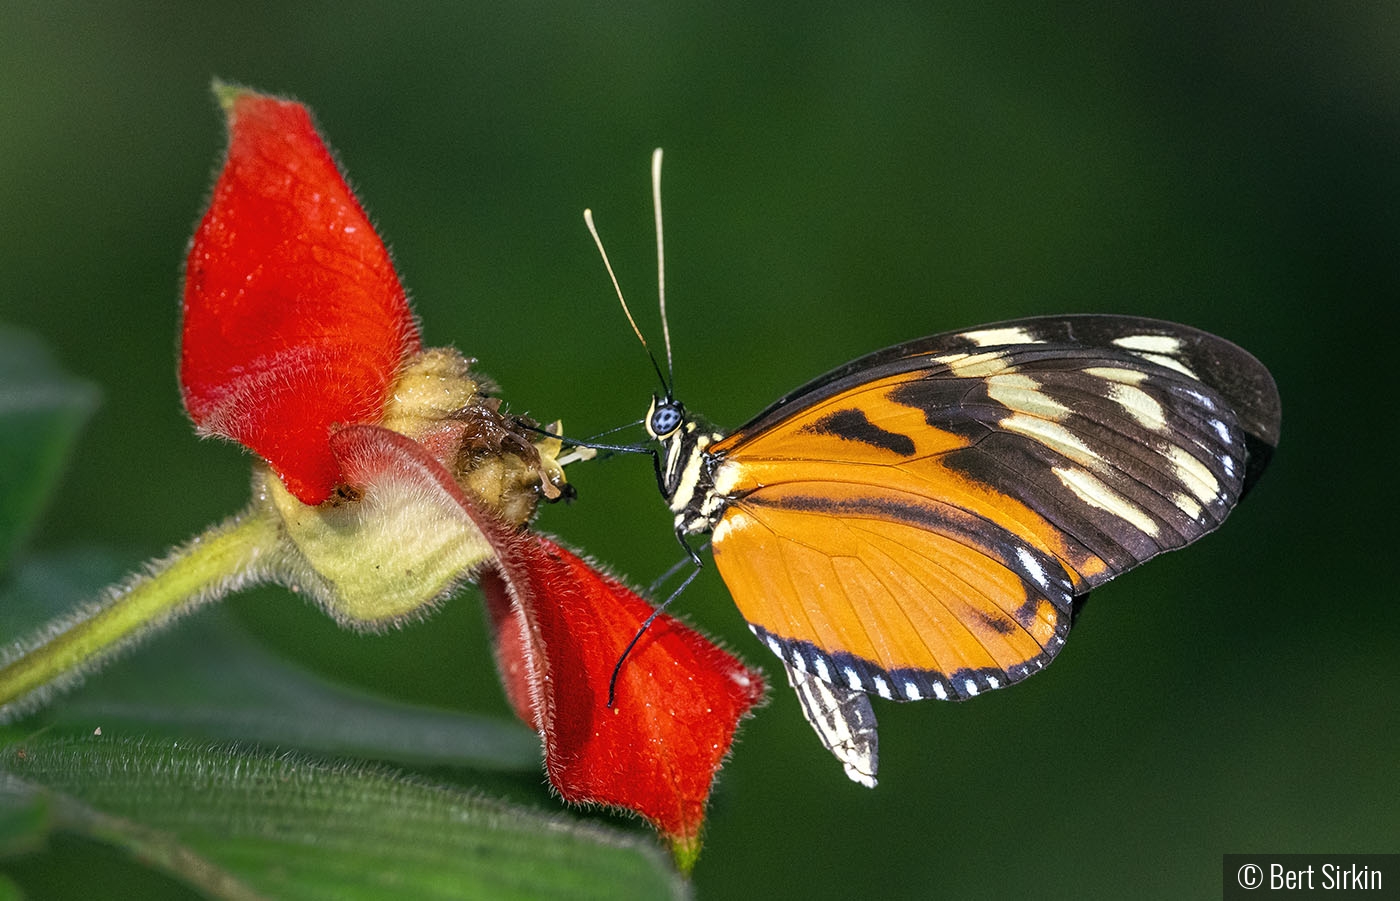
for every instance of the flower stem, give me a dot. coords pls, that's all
(225, 557)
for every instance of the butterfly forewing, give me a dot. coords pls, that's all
(1245, 383)
(916, 523)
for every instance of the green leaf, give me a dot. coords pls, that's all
(235, 823)
(41, 411)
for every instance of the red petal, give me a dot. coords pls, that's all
(294, 319)
(513, 657)
(679, 697)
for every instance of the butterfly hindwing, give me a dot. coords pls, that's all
(903, 597)
(917, 522)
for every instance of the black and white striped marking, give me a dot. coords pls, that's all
(844, 721)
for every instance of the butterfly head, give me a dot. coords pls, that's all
(682, 469)
(665, 418)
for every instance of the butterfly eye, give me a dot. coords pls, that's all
(666, 418)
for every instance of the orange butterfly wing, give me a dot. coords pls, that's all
(917, 523)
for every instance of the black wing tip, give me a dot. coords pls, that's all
(1242, 380)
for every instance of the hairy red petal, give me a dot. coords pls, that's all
(679, 697)
(513, 654)
(294, 319)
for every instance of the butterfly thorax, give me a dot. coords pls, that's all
(685, 469)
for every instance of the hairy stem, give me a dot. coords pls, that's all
(231, 555)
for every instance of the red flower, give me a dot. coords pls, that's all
(294, 320)
(560, 626)
(397, 478)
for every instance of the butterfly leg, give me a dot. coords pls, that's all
(694, 559)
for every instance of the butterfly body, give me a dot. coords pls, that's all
(917, 524)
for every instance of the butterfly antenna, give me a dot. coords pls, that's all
(592, 443)
(593, 230)
(661, 263)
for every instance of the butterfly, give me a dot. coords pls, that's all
(923, 521)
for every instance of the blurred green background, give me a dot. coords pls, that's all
(836, 181)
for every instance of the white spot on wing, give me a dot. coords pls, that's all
(882, 688)
(1052, 435)
(1139, 404)
(971, 688)
(1021, 393)
(1221, 429)
(1168, 362)
(1194, 474)
(852, 678)
(912, 693)
(1117, 374)
(1157, 344)
(1187, 505)
(988, 337)
(939, 691)
(1098, 495)
(974, 366)
(1202, 399)
(1033, 567)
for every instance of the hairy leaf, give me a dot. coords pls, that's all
(236, 823)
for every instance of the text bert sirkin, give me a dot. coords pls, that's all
(1330, 877)
(1294, 875)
